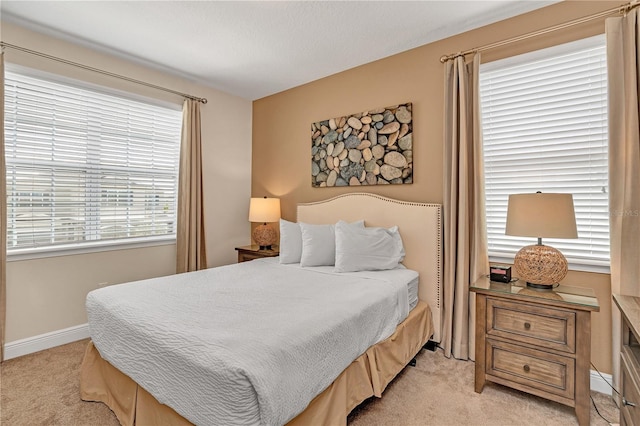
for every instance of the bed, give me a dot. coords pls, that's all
(167, 379)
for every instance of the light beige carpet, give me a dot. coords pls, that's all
(43, 389)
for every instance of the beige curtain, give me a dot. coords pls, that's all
(623, 56)
(190, 246)
(3, 219)
(465, 247)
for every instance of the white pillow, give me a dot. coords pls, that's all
(367, 249)
(319, 243)
(290, 242)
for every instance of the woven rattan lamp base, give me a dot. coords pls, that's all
(265, 236)
(540, 266)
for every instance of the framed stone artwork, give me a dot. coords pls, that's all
(373, 147)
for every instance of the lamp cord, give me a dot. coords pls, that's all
(594, 402)
(598, 411)
(605, 380)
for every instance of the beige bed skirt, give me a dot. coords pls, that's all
(367, 376)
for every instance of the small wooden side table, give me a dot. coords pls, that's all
(246, 253)
(536, 341)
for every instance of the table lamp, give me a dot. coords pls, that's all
(264, 210)
(541, 216)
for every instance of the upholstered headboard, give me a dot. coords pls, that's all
(420, 226)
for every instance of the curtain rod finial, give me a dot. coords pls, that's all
(443, 58)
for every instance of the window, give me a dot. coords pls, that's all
(544, 118)
(86, 168)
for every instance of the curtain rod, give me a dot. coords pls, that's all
(619, 9)
(99, 71)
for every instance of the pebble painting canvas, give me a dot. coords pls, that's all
(374, 147)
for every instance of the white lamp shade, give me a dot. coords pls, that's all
(264, 210)
(541, 215)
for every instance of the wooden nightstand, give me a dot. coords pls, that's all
(535, 341)
(246, 253)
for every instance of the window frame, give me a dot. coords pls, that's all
(598, 266)
(93, 246)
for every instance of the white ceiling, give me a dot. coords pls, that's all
(254, 49)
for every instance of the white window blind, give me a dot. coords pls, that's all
(84, 166)
(544, 119)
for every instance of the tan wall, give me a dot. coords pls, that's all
(45, 295)
(281, 125)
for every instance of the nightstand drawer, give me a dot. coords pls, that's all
(630, 380)
(536, 325)
(629, 413)
(532, 368)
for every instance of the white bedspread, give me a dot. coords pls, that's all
(250, 343)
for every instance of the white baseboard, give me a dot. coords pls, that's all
(599, 384)
(45, 341)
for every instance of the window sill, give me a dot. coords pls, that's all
(86, 248)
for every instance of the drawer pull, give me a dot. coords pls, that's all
(526, 368)
(625, 402)
(527, 326)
